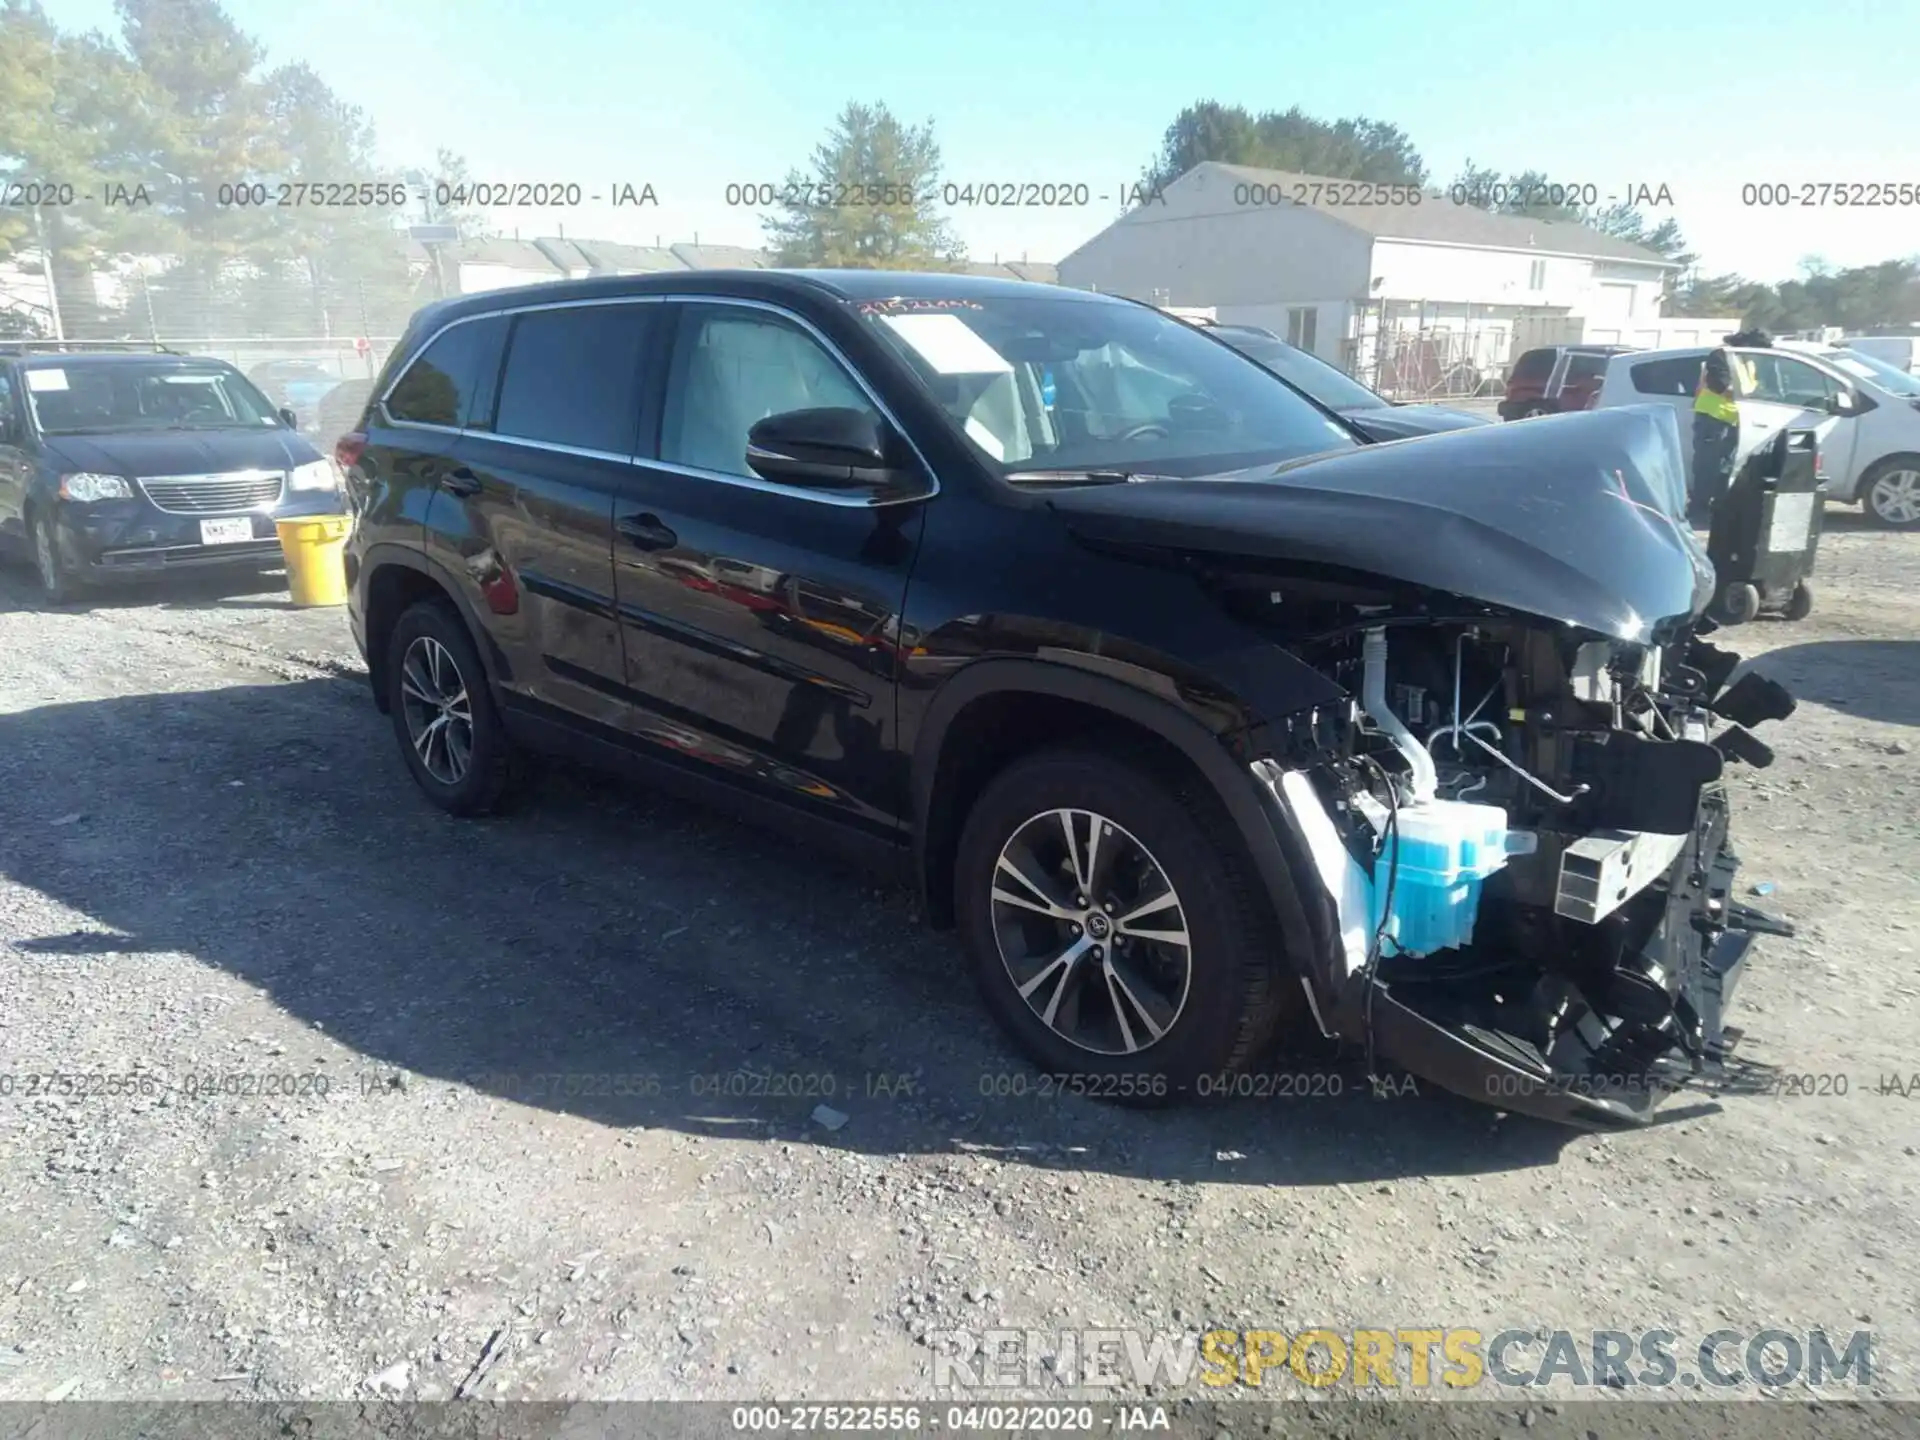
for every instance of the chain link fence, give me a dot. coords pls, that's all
(311, 337)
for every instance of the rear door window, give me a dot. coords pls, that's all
(572, 377)
(1668, 377)
(439, 387)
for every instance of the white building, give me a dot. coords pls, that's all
(1397, 289)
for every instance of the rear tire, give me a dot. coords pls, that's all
(1800, 604)
(449, 729)
(1535, 411)
(1134, 1014)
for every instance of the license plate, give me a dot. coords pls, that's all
(226, 532)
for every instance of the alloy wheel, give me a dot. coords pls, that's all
(439, 712)
(1895, 497)
(1091, 932)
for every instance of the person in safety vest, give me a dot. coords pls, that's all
(1716, 428)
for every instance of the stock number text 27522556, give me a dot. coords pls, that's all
(312, 194)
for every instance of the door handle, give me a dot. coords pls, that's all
(646, 532)
(462, 482)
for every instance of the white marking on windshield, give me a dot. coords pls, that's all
(949, 344)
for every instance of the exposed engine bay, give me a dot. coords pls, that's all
(1524, 831)
(1491, 738)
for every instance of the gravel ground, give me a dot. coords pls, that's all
(212, 863)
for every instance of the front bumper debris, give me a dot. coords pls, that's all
(1567, 1067)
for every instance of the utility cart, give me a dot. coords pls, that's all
(1765, 530)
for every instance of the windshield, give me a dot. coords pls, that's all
(1085, 385)
(1865, 367)
(135, 396)
(1331, 387)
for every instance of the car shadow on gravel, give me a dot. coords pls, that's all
(250, 589)
(607, 953)
(1874, 679)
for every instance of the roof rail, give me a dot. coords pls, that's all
(73, 347)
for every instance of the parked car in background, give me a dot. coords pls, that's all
(295, 385)
(1866, 415)
(1373, 414)
(1070, 613)
(1900, 351)
(1553, 379)
(116, 465)
(340, 410)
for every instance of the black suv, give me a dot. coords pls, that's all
(1184, 706)
(115, 465)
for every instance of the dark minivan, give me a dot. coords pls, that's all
(115, 465)
(1146, 671)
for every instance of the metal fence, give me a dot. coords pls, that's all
(1435, 362)
(311, 338)
(159, 298)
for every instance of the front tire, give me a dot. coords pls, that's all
(1114, 929)
(57, 585)
(1890, 493)
(443, 713)
(1739, 603)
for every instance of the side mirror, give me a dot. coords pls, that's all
(1840, 403)
(288, 418)
(831, 448)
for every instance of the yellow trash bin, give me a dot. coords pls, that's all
(315, 547)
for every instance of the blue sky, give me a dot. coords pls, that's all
(1700, 97)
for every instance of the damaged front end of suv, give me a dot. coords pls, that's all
(1510, 833)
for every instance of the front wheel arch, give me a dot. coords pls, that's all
(965, 741)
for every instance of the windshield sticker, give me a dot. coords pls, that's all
(985, 439)
(906, 304)
(45, 380)
(946, 343)
(190, 379)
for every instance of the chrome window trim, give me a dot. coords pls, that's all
(771, 487)
(553, 445)
(745, 482)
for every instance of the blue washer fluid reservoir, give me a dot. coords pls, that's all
(1444, 849)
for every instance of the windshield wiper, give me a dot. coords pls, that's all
(1075, 476)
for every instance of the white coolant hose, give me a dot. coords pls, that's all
(1373, 700)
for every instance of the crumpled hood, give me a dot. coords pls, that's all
(184, 452)
(1574, 518)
